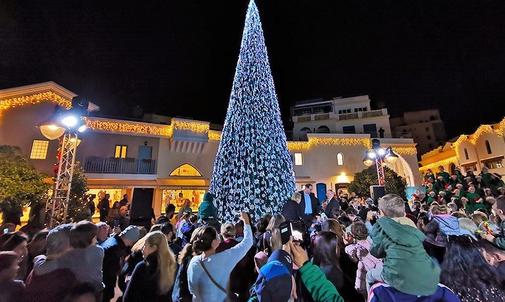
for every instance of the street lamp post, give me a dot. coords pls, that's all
(379, 156)
(69, 125)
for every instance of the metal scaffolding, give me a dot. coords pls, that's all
(56, 207)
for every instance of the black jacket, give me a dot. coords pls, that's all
(292, 211)
(315, 207)
(143, 285)
(114, 249)
(332, 206)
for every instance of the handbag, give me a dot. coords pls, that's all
(230, 297)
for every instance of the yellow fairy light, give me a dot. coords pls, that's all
(334, 141)
(214, 135)
(327, 141)
(193, 126)
(409, 150)
(483, 129)
(298, 146)
(444, 162)
(128, 127)
(33, 99)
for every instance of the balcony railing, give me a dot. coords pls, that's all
(119, 165)
(340, 117)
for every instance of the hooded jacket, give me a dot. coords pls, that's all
(440, 227)
(207, 208)
(407, 267)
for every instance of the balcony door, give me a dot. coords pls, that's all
(145, 152)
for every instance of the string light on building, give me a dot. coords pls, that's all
(129, 127)
(34, 99)
(193, 126)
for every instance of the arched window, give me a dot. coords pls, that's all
(340, 159)
(185, 170)
(466, 154)
(323, 129)
(306, 130)
(488, 147)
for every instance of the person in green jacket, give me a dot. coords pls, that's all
(207, 209)
(407, 266)
(445, 176)
(475, 201)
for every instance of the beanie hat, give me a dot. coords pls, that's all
(274, 279)
(131, 233)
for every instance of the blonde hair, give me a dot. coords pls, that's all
(166, 260)
(137, 247)
(296, 197)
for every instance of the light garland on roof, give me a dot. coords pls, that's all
(447, 161)
(405, 150)
(196, 127)
(214, 135)
(34, 99)
(128, 127)
(327, 141)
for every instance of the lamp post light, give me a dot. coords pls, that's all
(379, 155)
(69, 125)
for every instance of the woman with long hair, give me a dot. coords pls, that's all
(154, 277)
(326, 255)
(208, 271)
(467, 273)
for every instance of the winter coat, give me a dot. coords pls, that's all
(206, 210)
(49, 287)
(292, 211)
(407, 267)
(318, 286)
(114, 249)
(84, 263)
(180, 291)
(382, 292)
(332, 206)
(439, 228)
(128, 267)
(143, 285)
(366, 261)
(471, 205)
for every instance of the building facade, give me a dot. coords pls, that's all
(352, 115)
(425, 127)
(483, 148)
(153, 162)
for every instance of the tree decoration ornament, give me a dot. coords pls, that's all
(253, 168)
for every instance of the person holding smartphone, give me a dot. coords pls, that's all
(209, 272)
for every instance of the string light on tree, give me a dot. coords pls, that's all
(253, 169)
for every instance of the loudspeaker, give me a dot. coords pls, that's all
(377, 192)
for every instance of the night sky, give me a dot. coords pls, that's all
(178, 57)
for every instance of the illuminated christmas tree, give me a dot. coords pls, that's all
(253, 169)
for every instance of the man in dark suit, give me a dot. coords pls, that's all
(309, 204)
(292, 210)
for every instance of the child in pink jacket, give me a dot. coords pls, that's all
(359, 250)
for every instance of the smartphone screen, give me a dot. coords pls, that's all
(285, 229)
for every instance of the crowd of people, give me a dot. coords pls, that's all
(446, 244)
